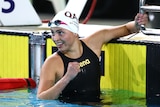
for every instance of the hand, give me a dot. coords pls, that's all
(72, 70)
(141, 19)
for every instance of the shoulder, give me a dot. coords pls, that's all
(53, 65)
(51, 60)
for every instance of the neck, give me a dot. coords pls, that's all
(76, 51)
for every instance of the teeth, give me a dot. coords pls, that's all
(59, 43)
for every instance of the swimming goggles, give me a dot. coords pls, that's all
(56, 22)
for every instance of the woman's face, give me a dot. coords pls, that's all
(63, 39)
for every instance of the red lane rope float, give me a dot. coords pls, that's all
(16, 83)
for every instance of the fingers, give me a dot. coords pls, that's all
(141, 19)
(72, 70)
(75, 66)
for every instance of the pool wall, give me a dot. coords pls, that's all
(126, 65)
(14, 55)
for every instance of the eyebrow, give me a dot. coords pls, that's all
(59, 29)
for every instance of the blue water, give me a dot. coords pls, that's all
(112, 98)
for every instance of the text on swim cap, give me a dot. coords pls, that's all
(69, 14)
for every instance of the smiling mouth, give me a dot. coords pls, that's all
(59, 44)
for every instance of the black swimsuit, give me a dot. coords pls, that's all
(85, 87)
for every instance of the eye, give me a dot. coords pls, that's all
(53, 33)
(59, 32)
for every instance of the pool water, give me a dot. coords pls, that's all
(111, 98)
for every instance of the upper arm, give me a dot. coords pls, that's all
(105, 35)
(49, 74)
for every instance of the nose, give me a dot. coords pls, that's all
(55, 37)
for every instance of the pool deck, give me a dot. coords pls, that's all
(95, 24)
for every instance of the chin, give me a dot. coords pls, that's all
(62, 50)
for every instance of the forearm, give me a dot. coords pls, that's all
(54, 91)
(132, 27)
